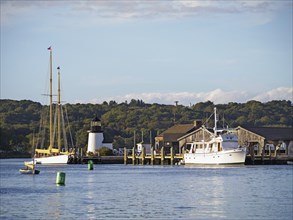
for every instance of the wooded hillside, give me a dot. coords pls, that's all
(20, 119)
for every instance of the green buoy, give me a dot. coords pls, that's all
(90, 165)
(60, 179)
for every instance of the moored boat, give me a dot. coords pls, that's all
(59, 159)
(55, 153)
(222, 148)
(29, 169)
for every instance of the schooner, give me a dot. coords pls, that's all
(54, 155)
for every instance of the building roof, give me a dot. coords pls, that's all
(178, 128)
(272, 133)
(176, 131)
(194, 130)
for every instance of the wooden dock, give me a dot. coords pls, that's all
(267, 160)
(152, 158)
(163, 158)
(97, 160)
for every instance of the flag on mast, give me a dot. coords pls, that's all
(49, 48)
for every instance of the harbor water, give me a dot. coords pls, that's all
(147, 192)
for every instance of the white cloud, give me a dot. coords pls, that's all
(137, 9)
(282, 93)
(217, 96)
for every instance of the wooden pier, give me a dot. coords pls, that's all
(163, 158)
(267, 160)
(97, 160)
(152, 158)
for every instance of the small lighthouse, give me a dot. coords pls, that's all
(96, 137)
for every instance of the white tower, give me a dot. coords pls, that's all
(96, 137)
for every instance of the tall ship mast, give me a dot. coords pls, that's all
(53, 155)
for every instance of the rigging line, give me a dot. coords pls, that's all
(33, 150)
(64, 132)
(39, 133)
(54, 125)
(208, 118)
(72, 143)
(44, 122)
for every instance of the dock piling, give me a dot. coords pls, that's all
(172, 157)
(142, 156)
(152, 156)
(133, 156)
(162, 156)
(125, 156)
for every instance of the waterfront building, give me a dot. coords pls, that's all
(169, 138)
(266, 141)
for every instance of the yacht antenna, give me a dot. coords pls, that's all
(215, 118)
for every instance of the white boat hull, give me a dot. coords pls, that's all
(236, 156)
(60, 159)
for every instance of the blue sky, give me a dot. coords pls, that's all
(157, 51)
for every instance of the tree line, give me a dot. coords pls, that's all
(20, 120)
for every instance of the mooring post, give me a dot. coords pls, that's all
(252, 154)
(125, 156)
(172, 156)
(152, 155)
(142, 156)
(133, 156)
(162, 156)
(263, 155)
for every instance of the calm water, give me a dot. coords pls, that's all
(146, 192)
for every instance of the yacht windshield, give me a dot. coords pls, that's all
(229, 145)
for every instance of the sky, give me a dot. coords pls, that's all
(160, 51)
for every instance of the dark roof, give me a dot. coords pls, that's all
(176, 131)
(272, 133)
(179, 128)
(194, 130)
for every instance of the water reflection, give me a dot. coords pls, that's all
(145, 192)
(204, 195)
(90, 205)
(54, 204)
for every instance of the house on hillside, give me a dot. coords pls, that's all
(169, 138)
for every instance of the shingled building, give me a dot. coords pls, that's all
(169, 138)
(261, 141)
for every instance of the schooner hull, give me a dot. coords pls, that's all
(224, 157)
(60, 159)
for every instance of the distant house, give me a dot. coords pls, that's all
(169, 138)
(141, 145)
(276, 141)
